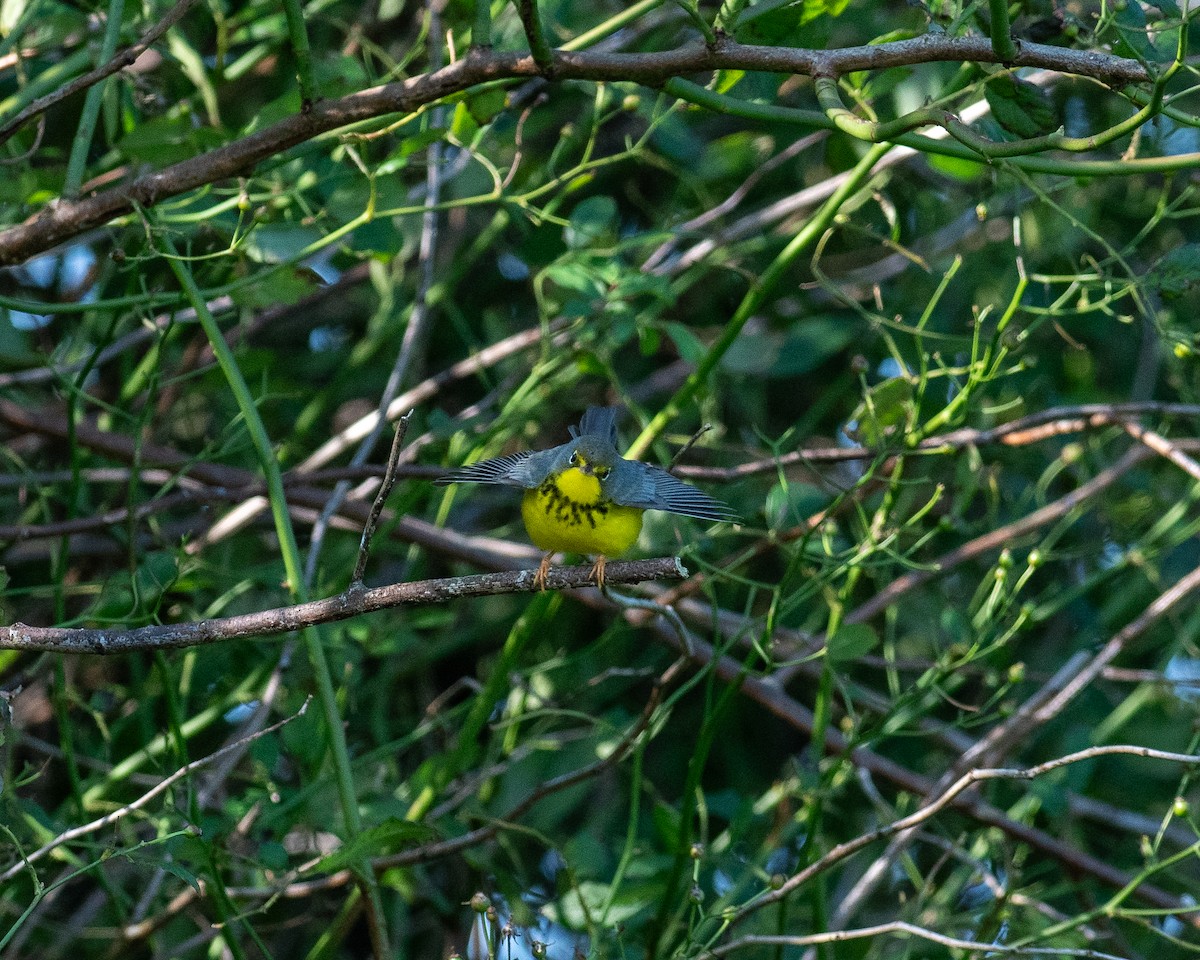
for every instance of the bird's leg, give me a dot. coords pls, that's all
(543, 570)
(597, 573)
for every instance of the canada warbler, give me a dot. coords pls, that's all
(584, 497)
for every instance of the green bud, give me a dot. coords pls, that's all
(479, 902)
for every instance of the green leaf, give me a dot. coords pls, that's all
(168, 139)
(156, 574)
(687, 343)
(1020, 107)
(276, 242)
(1177, 272)
(779, 21)
(728, 79)
(486, 105)
(1166, 7)
(800, 350)
(592, 220)
(388, 837)
(885, 408)
(463, 126)
(851, 641)
(1133, 31)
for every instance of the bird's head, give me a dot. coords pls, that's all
(593, 456)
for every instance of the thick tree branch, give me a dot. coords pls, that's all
(348, 604)
(64, 219)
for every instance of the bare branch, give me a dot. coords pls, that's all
(902, 929)
(64, 219)
(350, 603)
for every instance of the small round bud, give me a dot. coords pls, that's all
(1016, 673)
(696, 895)
(492, 915)
(777, 881)
(1006, 560)
(1182, 351)
(538, 949)
(1035, 558)
(1180, 807)
(631, 102)
(696, 852)
(858, 363)
(479, 902)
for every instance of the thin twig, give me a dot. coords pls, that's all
(1054, 422)
(123, 59)
(902, 928)
(385, 489)
(704, 428)
(944, 800)
(110, 818)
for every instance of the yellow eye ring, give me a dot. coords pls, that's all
(574, 457)
(601, 472)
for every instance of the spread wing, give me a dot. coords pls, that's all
(525, 469)
(652, 488)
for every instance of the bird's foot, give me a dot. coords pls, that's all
(598, 571)
(543, 571)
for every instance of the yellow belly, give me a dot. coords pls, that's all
(567, 513)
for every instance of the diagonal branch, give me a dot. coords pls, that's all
(64, 219)
(122, 60)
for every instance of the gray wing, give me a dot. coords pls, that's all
(652, 488)
(525, 469)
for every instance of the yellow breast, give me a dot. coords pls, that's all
(568, 512)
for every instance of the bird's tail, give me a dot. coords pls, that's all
(598, 422)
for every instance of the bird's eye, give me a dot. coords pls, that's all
(601, 472)
(574, 457)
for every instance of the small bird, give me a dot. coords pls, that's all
(584, 497)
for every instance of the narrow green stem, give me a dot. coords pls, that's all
(298, 33)
(756, 296)
(82, 143)
(722, 103)
(693, 11)
(531, 20)
(1002, 41)
(326, 694)
(611, 25)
